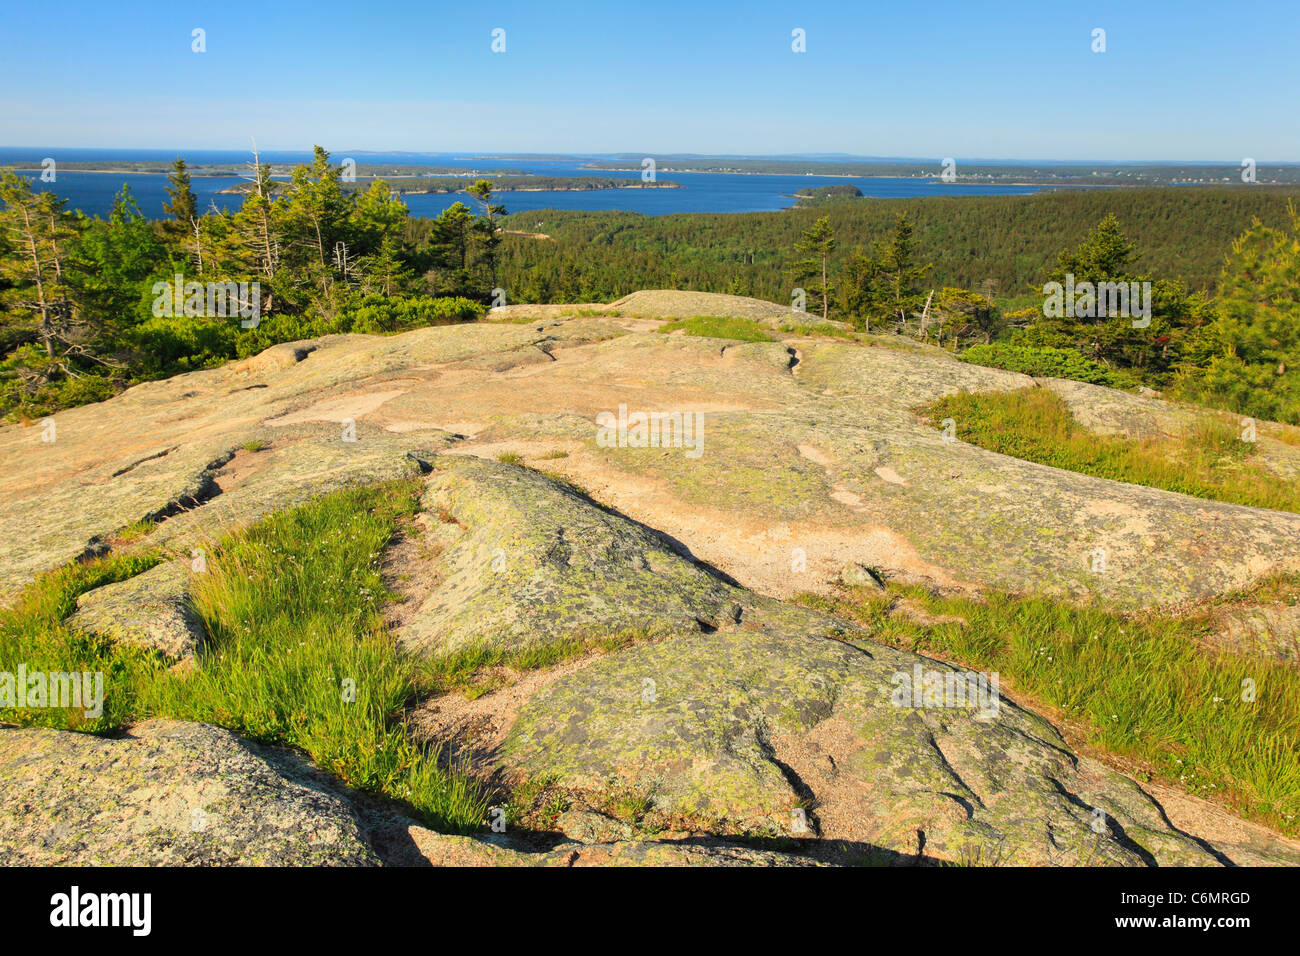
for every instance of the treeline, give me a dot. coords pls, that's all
(1099, 316)
(92, 305)
(1009, 242)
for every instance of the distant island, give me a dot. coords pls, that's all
(402, 179)
(810, 196)
(280, 170)
(422, 185)
(1046, 174)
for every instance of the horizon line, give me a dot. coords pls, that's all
(820, 156)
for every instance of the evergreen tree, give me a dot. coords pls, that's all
(37, 301)
(487, 226)
(900, 275)
(1104, 255)
(859, 288)
(1248, 357)
(815, 248)
(183, 207)
(110, 262)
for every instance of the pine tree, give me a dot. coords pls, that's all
(898, 270)
(37, 229)
(815, 247)
(1105, 255)
(1248, 357)
(183, 206)
(859, 288)
(487, 227)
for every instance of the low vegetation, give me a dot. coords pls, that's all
(33, 635)
(1046, 362)
(298, 653)
(1209, 460)
(1142, 688)
(477, 670)
(719, 327)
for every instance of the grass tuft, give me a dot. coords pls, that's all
(719, 327)
(298, 653)
(1209, 460)
(477, 669)
(1218, 725)
(33, 634)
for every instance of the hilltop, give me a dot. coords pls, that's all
(757, 574)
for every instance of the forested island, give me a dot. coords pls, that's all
(278, 170)
(825, 194)
(502, 184)
(358, 176)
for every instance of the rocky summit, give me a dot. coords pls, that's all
(655, 501)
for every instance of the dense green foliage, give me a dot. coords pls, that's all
(1248, 358)
(94, 305)
(1012, 241)
(825, 194)
(1046, 362)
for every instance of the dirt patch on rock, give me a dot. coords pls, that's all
(470, 732)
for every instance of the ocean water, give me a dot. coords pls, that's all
(93, 193)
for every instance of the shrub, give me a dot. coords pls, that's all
(374, 314)
(1044, 361)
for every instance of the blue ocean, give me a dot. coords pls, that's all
(93, 192)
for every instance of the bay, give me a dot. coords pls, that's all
(93, 192)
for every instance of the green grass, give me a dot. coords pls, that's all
(1208, 461)
(253, 446)
(473, 670)
(817, 328)
(510, 458)
(1141, 687)
(719, 327)
(298, 652)
(33, 633)
(134, 532)
(592, 314)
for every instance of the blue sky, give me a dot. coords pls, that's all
(1015, 79)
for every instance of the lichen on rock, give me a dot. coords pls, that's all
(151, 610)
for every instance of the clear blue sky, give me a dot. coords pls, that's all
(1016, 79)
